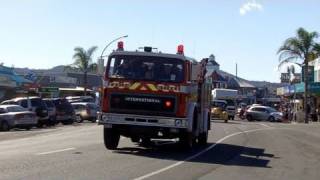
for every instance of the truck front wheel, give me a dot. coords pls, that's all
(111, 138)
(203, 138)
(187, 140)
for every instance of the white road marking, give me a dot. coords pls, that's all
(198, 154)
(56, 151)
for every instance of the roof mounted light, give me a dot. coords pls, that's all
(120, 46)
(180, 49)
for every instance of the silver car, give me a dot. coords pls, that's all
(263, 113)
(15, 116)
(85, 111)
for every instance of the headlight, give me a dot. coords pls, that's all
(104, 117)
(178, 122)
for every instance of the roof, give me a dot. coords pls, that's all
(216, 76)
(259, 107)
(8, 105)
(239, 83)
(139, 53)
(213, 62)
(20, 98)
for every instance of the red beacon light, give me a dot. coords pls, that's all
(180, 49)
(120, 46)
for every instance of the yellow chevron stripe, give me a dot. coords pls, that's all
(152, 87)
(134, 86)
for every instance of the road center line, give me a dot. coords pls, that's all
(198, 154)
(56, 151)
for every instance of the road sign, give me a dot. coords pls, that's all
(48, 90)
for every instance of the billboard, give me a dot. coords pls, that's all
(310, 73)
(290, 78)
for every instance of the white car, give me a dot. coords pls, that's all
(15, 116)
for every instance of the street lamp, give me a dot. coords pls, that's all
(101, 57)
(102, 63)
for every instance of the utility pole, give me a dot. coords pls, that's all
(237, 70)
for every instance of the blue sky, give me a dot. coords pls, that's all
(43, 33)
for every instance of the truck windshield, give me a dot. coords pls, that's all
(146, 68)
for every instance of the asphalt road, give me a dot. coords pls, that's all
(237, 150)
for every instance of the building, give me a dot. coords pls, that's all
(218, 81)
(11, 83)
(296, 91)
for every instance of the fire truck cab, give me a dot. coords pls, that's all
(153, 95)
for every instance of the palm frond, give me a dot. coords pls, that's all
(316, 49)
(83, 58)
(91, 50)
(289, 60)
(289, 53)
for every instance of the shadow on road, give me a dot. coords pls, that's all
(221, 154)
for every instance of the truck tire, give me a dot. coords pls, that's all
(111, 138)
(146, 142)
(135, 139)
(187, 140)
(203, 139)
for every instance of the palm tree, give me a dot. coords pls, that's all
(300, 50)
(83, 63)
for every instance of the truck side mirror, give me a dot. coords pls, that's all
(195, 70)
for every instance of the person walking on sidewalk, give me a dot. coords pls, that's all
(318, 113)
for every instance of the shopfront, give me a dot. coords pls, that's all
(10, 83)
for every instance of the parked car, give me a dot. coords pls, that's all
(85, 111)
(263, 113)
(15, 116)
(52, 111)
(65, 112)
(34, 104)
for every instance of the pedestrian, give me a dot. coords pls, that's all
(318, 112)
(314, 114)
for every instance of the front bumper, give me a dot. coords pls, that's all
(141, 120)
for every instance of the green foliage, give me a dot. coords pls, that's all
(299, 49)
(83, 59)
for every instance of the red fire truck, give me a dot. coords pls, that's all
(153, 95)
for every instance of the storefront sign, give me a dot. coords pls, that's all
(310, 73)
(313, 87)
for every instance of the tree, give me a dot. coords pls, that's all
(300, 50)
(83, 63)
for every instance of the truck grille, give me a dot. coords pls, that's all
(143, 104)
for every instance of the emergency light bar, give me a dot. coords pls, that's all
(120, 46)
(180, 49)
